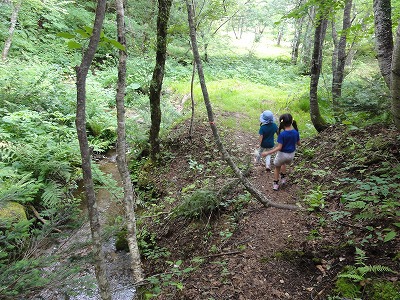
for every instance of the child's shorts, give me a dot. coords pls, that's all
(283, 158)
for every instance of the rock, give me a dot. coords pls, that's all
(12, 212)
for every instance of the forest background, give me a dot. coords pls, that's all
(251, 61)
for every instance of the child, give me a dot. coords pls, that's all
(266, 137)
(286, 148)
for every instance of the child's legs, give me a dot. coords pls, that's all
(258, 156)
(276, 173)
(268, 159)
(283, 169)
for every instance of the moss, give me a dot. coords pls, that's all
(288, 254)
(384, 290)
(347, 288)
(13, 212)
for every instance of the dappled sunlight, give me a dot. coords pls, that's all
(265, 48)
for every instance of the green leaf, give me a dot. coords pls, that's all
(66, 35)
(389, 236)
(117, 45)
(82, 33)
(74, 45)
(356, 205)
(89, 30)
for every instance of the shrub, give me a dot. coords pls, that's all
(198, 205)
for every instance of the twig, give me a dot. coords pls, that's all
(37, 215)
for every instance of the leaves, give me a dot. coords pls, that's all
(389, 236)
(74, 45)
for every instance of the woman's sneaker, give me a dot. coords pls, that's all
(275, 186)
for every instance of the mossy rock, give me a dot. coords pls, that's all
(12, 212)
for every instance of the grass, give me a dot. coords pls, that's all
(244, 78)
(243, 83)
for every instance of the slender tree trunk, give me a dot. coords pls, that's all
(13, 23)
(338, 72)
(252, 190)
(81, 73)
(307, 41)
(129, 198)
(335, 46)
(280, 36)
(296, 40)
(316, 66)
(395, 81)
(164, 7)
(384, 37)
(192, 99)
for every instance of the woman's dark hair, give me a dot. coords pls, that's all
(286, 120)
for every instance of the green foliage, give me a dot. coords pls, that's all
(315, 200)
(375, 197)
(384, 290)
(173, 279)
(348, 283)
(199, 204)
(148, 246)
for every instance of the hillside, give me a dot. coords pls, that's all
(239, 249)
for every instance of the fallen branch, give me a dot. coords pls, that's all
(239, 174)
(37, 215)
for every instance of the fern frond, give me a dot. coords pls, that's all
(375, 269)
(352, 276)
(52, 195)
(7, 152)
(20, 189)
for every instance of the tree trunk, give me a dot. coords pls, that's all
(129, 198)
(338, 72)
(316, 66)
(384, 37)
(395, 81)
(13, 23)
(307, 41)
(252, 190)
(335, 43)
(81, 73)
(280, 35)
(296, 40)
(164, 7)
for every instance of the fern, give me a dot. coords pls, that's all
(52, 194)
(7, 152)
(18, 188)
(357, 274)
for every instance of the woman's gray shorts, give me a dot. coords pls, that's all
(283, 158)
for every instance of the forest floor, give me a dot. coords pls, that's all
(244, 250)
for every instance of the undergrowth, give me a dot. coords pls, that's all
(361, 202)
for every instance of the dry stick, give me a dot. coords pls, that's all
(37, 215)
(250, 188)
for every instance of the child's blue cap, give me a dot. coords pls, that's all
(267, 117)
